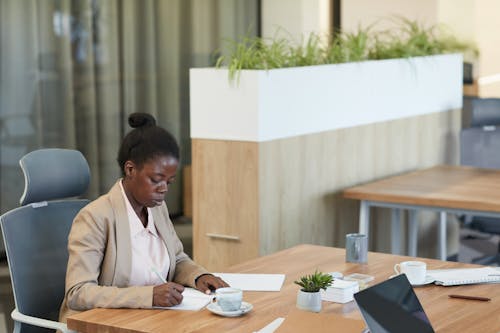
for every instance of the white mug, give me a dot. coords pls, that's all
(415, 271)
(229, 299)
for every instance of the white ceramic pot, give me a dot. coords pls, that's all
(309, 301)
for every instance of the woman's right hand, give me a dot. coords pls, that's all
(167, 294)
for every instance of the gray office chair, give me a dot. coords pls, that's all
(36, 236)
(480, 147)
(484, 111)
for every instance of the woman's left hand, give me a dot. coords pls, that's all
(208, 282)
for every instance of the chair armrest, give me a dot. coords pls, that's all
(22, 318)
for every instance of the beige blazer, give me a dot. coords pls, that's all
(99, 263)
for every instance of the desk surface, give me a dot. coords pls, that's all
(445, 314)
(458, 187)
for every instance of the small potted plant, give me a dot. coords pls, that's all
(309, 296)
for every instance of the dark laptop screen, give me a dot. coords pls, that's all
(393, 307)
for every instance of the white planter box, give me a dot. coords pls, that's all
(281, 103)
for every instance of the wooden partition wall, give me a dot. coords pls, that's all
(254, 198)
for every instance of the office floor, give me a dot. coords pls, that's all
(470, 248)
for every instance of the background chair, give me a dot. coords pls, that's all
(36, 235)
(483, 111)
(480, 147)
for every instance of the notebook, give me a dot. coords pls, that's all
(393, 307)
(193, 300)
(458, 276)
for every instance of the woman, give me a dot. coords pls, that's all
(123, 246)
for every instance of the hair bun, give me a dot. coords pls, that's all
(140, 119)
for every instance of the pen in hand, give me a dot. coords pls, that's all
(163, 279)
(166, 298)
(474, 298)
(158, 275)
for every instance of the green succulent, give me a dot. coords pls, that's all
(315, 282)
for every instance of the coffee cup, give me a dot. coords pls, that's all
(415, 271)
(229, 299)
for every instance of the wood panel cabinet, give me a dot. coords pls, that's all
(225, 202)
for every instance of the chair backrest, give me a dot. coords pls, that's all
(480, 144)
(484, 111)
(480, 147)
(53, 174)
(36, 234)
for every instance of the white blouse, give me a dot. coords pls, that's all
(149, 252)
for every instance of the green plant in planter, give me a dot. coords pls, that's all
(348, 47)
(407, 39)
(269, 53)
(315, 282)
(412, 39)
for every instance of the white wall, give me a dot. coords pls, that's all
(367, 12)
(460, 16)
(487, 36)
(296, 18)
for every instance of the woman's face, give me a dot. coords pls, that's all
(147, 184)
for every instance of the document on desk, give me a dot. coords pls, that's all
(272, 326)
(253, 282)
(193, 300)
(459, 276)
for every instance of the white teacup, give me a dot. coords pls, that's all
(229, 299)
(415, 271)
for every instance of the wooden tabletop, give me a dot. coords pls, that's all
(459, 187)
(445, 314)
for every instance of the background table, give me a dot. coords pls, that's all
(445, 314)
(452, 189)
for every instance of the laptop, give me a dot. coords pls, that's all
(392, 307)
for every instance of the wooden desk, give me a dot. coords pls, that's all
(445, 314)
(454, 189)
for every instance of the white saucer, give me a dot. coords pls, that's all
(215, 308)
(428, 280)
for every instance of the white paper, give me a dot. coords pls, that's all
(271, 327)
(253, 282)
(193, 300)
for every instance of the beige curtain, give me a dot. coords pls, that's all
(71, 72)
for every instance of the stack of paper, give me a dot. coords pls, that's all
(340, 291)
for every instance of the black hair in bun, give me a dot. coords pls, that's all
(139, 119)
(146, 141)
